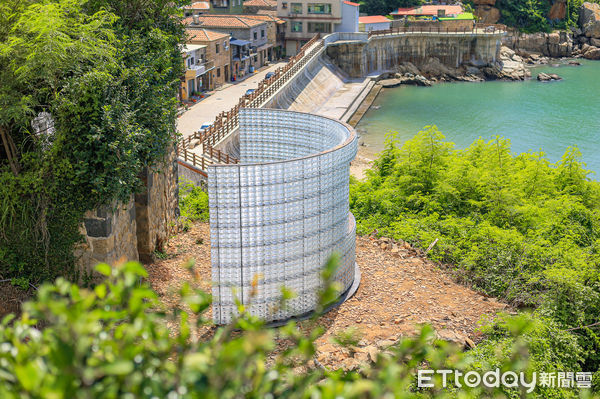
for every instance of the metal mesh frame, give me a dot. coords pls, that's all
(276, 217)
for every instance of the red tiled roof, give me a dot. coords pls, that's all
(268, 12)
(372, 19)
(352, 4)
(266, 18)
(204, 35)
(261, 3)
(428, 10)
(222, 21)
(199, 5)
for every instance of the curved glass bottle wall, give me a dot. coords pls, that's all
(276, 217)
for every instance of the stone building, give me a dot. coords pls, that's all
(305, 18)
(218, 55)
(275, 35)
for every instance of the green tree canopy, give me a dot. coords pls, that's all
(87, 98)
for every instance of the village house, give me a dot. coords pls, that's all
(275, 34)
(198, 69)
(248, 40)
(373, 22)
(428, 11)
(254, 6)
(196, 8)
(217, 55)
(306, 18)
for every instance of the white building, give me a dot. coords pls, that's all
(306, 18)
(373, 22)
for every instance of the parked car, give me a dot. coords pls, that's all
(249, 91)
(205, 125)
(269, 75)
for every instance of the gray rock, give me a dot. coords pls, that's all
(545, 77)
(592, 53)
(589, 19)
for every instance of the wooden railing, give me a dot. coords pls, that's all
(478, 28)
(227, 122)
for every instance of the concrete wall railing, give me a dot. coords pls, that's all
(440, 28)
(277, 216)
(345, 36)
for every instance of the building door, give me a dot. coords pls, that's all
(191, 87)
(226, 73)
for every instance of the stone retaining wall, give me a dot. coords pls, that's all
(136, 229)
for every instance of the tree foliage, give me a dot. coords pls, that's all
(514, 226)
(113, 341)
(87, 98)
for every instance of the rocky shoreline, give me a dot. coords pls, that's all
(517, 53)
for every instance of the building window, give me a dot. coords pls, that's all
(262, 33)
(218, 72)
(217, 48)
(319, 27)
(255, 35)
(296, 26)
(296, 8)
(319, 8)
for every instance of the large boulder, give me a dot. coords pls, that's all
(509, 66)
(433, 68)
(589, 19)
(558, 10)
(545, 77)
(533, 42)
(560, 44)
(592, 53)
(487, 14)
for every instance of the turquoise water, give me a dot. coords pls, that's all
(533, 115)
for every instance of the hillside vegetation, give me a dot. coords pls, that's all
(515, 226)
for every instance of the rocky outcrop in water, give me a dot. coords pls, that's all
(590, 52)
(546, 77)
(510, 66)
(408, 79)
(582, 41)
(555, 44)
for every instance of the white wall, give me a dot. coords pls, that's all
(377, 26)
(349, 19)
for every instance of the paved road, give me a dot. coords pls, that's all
(221, 100)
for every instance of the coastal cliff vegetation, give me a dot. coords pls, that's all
(515, 226)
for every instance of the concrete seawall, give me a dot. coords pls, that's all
(383, 53)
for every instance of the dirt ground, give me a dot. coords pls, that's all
(399, 290)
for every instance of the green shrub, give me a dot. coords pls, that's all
(515, 226)
(193, 203)
(107, 73)
(113, 341)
